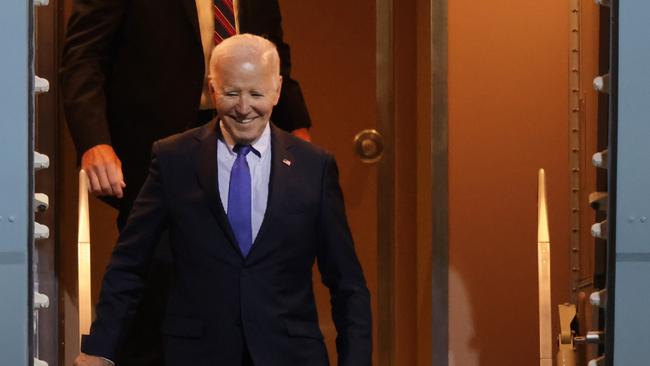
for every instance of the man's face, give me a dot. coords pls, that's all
(245, 90)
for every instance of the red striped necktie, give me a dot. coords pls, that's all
(224, 20)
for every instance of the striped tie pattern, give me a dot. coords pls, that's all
(224, 20)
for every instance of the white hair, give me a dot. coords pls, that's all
(245, 45)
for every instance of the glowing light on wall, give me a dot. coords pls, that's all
(544, 274)
(83, 257)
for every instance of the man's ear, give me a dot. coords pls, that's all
(278, 90)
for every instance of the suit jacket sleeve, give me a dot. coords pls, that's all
(342, 274)
(124, 278)
(86, 57)
(291, 112)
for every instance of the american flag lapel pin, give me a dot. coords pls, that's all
(286, 162)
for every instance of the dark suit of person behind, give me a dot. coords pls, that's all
(234, 302)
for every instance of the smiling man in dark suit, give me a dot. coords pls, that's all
(249, 208)
(135, 71)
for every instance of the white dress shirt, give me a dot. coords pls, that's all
(260, 168)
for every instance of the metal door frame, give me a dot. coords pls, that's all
(385, 89)
(440, 179)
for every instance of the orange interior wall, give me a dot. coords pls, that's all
(508, 108)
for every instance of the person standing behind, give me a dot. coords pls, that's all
(134, 71)
(249, 209)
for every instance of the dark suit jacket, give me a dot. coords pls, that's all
(133, 73)
(219, 298)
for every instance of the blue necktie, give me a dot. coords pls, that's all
(239, 200)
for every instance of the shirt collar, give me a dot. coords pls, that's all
(260, 146)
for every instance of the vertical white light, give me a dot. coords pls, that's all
(544, 274)
(83, 257)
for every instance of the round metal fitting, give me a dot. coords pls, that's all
(369, 146)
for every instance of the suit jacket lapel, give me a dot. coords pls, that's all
(238, 13)
(192, 16)
(247, 15)
(281, 160)
(206, 170)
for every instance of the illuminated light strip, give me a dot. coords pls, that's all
(83, 257)
(544, 274)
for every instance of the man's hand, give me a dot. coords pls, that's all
(88, 360)
(302, 133)
(104, 171)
